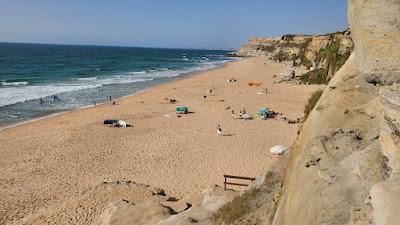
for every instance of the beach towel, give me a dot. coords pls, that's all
(255, 83)
(182, 109)
(121, 123)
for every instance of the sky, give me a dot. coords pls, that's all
(165, 23)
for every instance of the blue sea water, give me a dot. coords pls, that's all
(32, 74)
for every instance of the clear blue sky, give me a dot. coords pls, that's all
(165, 23)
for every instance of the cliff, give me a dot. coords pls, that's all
(356, 179)
(344, 166)
(317, 57)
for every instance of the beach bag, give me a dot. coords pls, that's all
(110, 122)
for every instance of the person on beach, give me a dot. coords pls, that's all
(41, 101)
(233, 114)
(244, 111)
(240, 115)
(293, 74)
(266, 91)
(110, 98)
(210, 91)
(264, 116)
(219, 130)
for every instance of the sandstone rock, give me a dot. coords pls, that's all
(123, 213)
(357, 178)
(333, 164)
(375, 27)
(158, 191)
(299, 50)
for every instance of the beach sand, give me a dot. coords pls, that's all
(46, 162)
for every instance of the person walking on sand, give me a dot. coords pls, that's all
(233, 114)
(219, 130)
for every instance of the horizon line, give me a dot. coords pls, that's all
(122, 46)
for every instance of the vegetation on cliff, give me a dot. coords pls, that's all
(319, 56)
(312, 101)
(245, 207)
(333, 59)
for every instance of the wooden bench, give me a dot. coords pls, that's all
(251, 179)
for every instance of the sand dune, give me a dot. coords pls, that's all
(48, 161)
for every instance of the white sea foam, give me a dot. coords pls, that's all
(137, 72)
(19, 83)
(12, 95)
(20, 91)
(87, 78)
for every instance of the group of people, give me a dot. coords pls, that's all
(242, 114)
(55, 99)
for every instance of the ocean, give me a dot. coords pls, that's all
(37, 80)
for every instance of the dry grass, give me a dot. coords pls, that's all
(247, 202)
(312, 101)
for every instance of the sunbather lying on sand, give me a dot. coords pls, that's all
(170, 100)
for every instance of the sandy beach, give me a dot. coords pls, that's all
(46, 162)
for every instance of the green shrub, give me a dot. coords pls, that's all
(312, 101)
(238, 207)
(333, 59)
(304, 61)
(267, 48)
(319, 76)
(281, 56)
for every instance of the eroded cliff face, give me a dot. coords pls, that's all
(326, 53)
(344, 167)
(375, 28)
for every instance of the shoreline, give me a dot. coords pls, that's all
(47, 162)
(55, 114)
